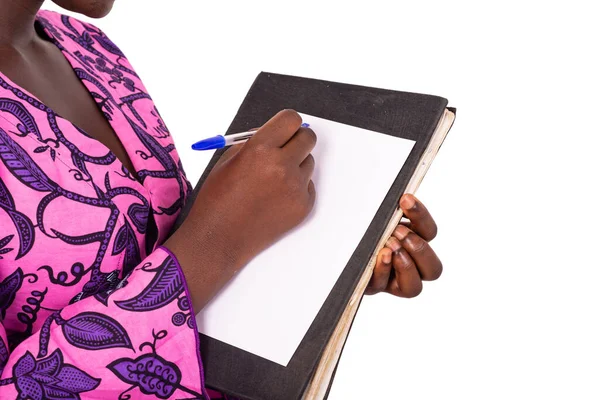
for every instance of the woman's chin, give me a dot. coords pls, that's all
(89, 8)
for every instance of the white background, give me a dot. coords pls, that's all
(514, 189)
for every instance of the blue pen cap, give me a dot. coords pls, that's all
(216, 142)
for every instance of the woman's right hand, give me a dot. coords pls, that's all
(259, 192)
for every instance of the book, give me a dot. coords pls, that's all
(284, 369)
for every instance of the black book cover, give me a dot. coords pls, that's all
(407, 115)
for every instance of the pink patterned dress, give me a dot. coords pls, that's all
(91, 305)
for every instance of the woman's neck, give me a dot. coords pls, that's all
(17, 22)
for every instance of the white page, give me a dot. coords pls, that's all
(268, 307)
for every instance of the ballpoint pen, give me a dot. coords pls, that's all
(220, 141)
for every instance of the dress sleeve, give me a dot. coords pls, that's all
(143, 343)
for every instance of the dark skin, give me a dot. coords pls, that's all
(407, 259)
(270, 174)
(41, 68)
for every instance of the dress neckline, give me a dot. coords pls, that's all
(119, 132)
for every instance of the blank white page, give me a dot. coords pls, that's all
(269, 305)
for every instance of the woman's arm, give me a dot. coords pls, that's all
(257, 193)
(143, 340)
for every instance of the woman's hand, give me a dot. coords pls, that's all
(407, 259)
(257, 193)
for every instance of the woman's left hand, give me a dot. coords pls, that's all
(407, 259)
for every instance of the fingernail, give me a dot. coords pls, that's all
(387, 258)
(393, 244)
(407, 202)
(401, 232)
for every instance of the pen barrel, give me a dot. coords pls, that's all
(242, 137)
(238, 138)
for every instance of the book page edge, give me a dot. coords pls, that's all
(317, 387)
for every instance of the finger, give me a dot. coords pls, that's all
(393, 244)
(381, 272)
(421, 222)
(427, 262)
(301, 144)
(307, 167)
(407, 281)
(312, 194)
(228, 154)
(278, 130)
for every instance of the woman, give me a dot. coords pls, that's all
(96, 300)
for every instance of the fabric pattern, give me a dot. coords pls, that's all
(91, 306)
